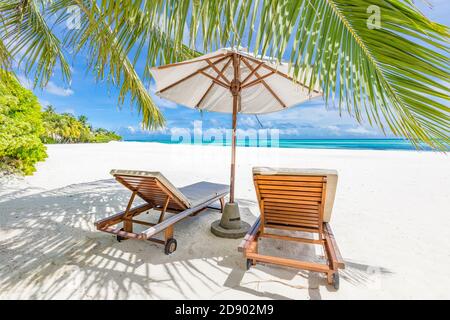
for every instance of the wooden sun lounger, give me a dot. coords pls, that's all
(295, 200)
(159, 194)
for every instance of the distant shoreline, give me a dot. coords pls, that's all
(340, 144)
(384, 205)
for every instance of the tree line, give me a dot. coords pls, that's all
(65, 128)
(25, 128)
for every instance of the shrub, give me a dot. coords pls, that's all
(20, 127)
(65, 128)
(102, 135)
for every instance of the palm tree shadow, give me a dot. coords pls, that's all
(49, 244)
(357, 274)
(50, 249)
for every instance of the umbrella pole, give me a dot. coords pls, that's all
(233, 148)
(235, 89)
(230, 225)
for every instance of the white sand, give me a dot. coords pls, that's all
(391, 220)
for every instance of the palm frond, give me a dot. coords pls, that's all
(114, 46)
(5, 57)
(30, 41)
(108, 59)
(395, 77)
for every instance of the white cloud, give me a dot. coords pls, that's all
(57, 90)
(333, 128)
(214, 122)
(317, 121)
(248, 121)
(361, 131)
(139, 130)
(25, 82)
(44, 103)
(69, 110)
(50, 88)
(163, 103)
(176, 131)
(290, 131)
(160, 102)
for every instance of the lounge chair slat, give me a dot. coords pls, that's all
(291, 221)
(162, 196)
(289, 188)
(295, 200)
(304, 184)
(174, 219)
(296, 194)
(279, 178)
(292, 215)
(292, 228)
(314, 207)
(289, 262)
(286, 238)
(292, 210)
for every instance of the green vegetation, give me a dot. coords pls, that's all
(395, 75)
(65, 128)
(24, 128)
(20, 127)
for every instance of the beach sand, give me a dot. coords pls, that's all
(391, 220)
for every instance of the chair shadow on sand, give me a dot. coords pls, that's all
(50, 249)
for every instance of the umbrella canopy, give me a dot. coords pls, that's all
(231, 81)
(205, 83)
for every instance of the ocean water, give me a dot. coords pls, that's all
(358, 144)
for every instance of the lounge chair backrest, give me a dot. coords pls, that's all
(299, 198)
(152, 187)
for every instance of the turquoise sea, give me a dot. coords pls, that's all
(359, 144)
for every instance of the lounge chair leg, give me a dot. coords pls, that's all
(222, 204)
(163, 211)
(333, 279)
(336, 280)
(171, 243)
(329, 278)
(119, 238)
(170, 246)
(161, 217)
(128, 224)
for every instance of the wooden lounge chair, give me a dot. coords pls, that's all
(295, 200)
(159, 194)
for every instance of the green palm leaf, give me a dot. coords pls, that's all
(395, 77)
(94, 35)
(29, 39)
(4, 56)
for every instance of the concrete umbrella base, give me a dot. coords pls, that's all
(230, 225)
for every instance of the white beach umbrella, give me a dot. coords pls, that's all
(231, 81)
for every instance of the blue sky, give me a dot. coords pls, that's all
(98, 102)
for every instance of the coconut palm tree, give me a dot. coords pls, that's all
(381, 61)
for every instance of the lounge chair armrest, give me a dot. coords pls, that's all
(250, 236)
(174, 219)
(333, 247)
(116, 218)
